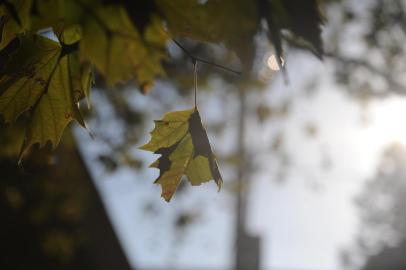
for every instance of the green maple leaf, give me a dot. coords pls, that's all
(59, 13)
(108, 38)
(112, 43)
(182, 141)
(14, 20)
(44, 80)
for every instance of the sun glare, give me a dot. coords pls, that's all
(273, 63)
(388, 122)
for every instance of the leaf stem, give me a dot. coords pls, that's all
(195, 80)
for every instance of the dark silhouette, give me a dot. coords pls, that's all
(52, 216)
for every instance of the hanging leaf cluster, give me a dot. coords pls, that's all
(44, 78)
(50, 49)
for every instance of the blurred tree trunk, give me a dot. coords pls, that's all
(52, 216)
(247, 246)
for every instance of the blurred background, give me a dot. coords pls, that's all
(313, 162)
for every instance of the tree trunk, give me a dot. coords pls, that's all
(247, 246)
(52, 216)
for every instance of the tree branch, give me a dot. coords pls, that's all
(198, 59)
(394, 85)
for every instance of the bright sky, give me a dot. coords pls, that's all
(304, 222)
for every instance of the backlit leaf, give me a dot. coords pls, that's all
(182, 141)
(60, 14)
(45, 81)
(113, 44)
(14, 20)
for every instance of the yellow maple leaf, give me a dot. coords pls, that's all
(182, 141)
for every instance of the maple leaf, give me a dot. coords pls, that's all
(182, 141)
(112, 43)
(46, 81)
(14, 20)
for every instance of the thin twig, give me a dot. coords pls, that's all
(198, 59)
(195, 81)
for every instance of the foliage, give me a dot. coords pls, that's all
(46, 80)
(377, 72)
(50, 49)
